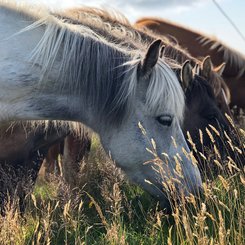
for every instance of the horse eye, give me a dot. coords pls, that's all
(165, 120)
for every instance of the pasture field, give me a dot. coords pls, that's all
(95, 67)
(107, 209)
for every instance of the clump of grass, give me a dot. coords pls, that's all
(11, 226)
(107, 209)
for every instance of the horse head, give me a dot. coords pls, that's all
(203, 114)
(78, 74)
(158, 109)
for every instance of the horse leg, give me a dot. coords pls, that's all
(75, 150)
(28, 176)
(50, 163)
(16, 181)
(86, 145)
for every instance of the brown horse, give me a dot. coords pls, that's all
(23, 149)
(73, 150)
(199, 45)
(202, 110)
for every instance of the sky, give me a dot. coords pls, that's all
(200, 15)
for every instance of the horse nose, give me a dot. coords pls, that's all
(194, 181)
(169, 205)
(191, 176)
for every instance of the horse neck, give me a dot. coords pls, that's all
(188, 39)
(184, 36)
(68, 75)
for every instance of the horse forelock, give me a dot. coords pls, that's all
(200, 89)
(164, 91)
(216, 82)
(138, 40)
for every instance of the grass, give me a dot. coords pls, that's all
(107, 209)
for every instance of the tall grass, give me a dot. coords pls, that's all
(107, 209)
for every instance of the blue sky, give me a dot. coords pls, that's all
(201, 15)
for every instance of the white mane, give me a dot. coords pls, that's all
(86, 57)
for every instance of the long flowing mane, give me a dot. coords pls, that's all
(96, 67)
(230, 56)
(115, 27)
(119, 30)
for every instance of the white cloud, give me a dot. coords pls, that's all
(136, 5)
(131, 8)
(156, 4)
(135, 8)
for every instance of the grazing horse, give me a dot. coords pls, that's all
(62, 71)
(202, 110)
(24, 148)
(200, 45)
(120, 31)
(73, 149)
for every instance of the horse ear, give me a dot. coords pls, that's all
(207, 67)
(151, 57)
(220, 69)
(186, 74)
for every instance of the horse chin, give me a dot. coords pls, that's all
(154, 177)
(170, 205)
(165, 205)
(169, 201)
